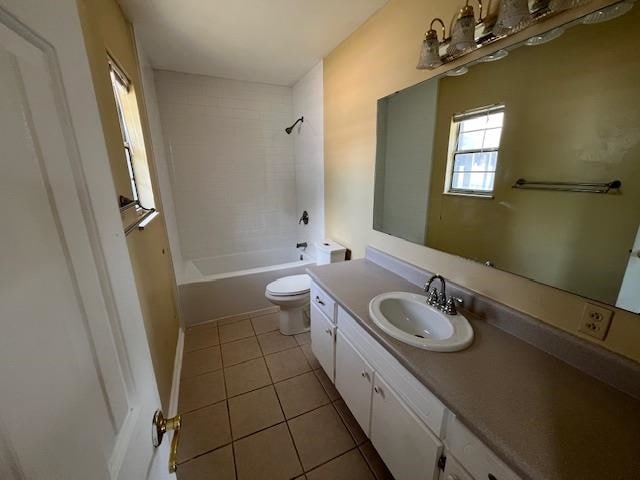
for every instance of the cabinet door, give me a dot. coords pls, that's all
(323, 340)
(354, 380)
(406, 445)
(453, 470)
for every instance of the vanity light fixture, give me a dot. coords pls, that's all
(495, 56)
(457, 72)
(539, 6)
(561, 5)
(608, 13)
(430, 51)
(463, 32)
(513, 14)
(544, 37)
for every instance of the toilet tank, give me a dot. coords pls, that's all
(329, 251)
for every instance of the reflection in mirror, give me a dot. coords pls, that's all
(512, 162)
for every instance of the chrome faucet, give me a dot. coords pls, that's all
(440, 301)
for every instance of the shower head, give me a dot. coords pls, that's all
(290, 129)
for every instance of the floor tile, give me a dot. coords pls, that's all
(311, 358)
(319, 436)
(301, 394)
(287, 364)
(201, 336)
(246, 376)
(303, 338)
(266, 323)
(376, 464)
(240, 351)
(235, 331)
(254, 411)
(276, 342)
(200, 391)
(350, 466)
(232, 319)
(216, 465)
(267, 455)
(327, 384)
(349, 420)
(204, 430)
(201, 361)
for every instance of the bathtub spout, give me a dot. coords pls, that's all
(301, 245)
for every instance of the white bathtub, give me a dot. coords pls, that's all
(225, 266)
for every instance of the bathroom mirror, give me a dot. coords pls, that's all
(528, 162)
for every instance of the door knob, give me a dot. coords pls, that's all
(162, 425)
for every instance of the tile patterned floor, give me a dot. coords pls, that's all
(256, 405)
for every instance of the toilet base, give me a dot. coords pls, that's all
(295, 320)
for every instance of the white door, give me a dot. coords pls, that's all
(354, 380)
(78, 391)
(322, 340)
(409, 449)
(629, 297)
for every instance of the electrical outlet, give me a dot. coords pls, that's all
(595, 320)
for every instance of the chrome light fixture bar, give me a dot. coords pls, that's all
(512, 19)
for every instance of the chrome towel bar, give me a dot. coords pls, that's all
(569, 186)
(141, 222)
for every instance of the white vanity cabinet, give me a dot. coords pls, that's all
(323, 333)
(402, 418)
(453, 470)
(409, 449)
(354, 380)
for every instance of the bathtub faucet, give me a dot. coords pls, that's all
(301, 245)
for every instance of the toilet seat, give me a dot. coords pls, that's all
(290, 286)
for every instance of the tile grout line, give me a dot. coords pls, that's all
(258, 388)
(286, 420)
(293, 441)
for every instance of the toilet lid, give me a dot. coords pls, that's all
(292, 285)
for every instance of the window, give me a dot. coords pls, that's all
(121, 86)
(134, 150)
(473, 151)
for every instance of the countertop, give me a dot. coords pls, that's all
(541, 416)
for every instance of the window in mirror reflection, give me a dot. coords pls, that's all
(473, 152)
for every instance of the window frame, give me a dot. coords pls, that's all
(116, 72)
(454, 151)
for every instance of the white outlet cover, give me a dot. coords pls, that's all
(595, 321)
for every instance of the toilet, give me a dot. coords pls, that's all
(291, 293)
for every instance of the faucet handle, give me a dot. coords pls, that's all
(450, 306)
(433, 297)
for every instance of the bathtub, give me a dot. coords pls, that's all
(226, 266)
(217, 287)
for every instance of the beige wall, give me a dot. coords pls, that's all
(560, 124)
(378, 59)
(107, 30)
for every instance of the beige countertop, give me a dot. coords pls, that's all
(541, 416)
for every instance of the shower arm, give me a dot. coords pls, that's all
(290, 129)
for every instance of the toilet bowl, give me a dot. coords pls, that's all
(291, 294)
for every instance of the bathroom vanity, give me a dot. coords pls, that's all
(501, 409)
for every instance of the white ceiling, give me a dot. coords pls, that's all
(270, 41)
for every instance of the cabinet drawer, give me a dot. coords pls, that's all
(323, 334)
(324, 302)
(474, 455)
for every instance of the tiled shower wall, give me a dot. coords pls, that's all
(231, 164)
(309, 154)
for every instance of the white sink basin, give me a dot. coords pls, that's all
(409, 318)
